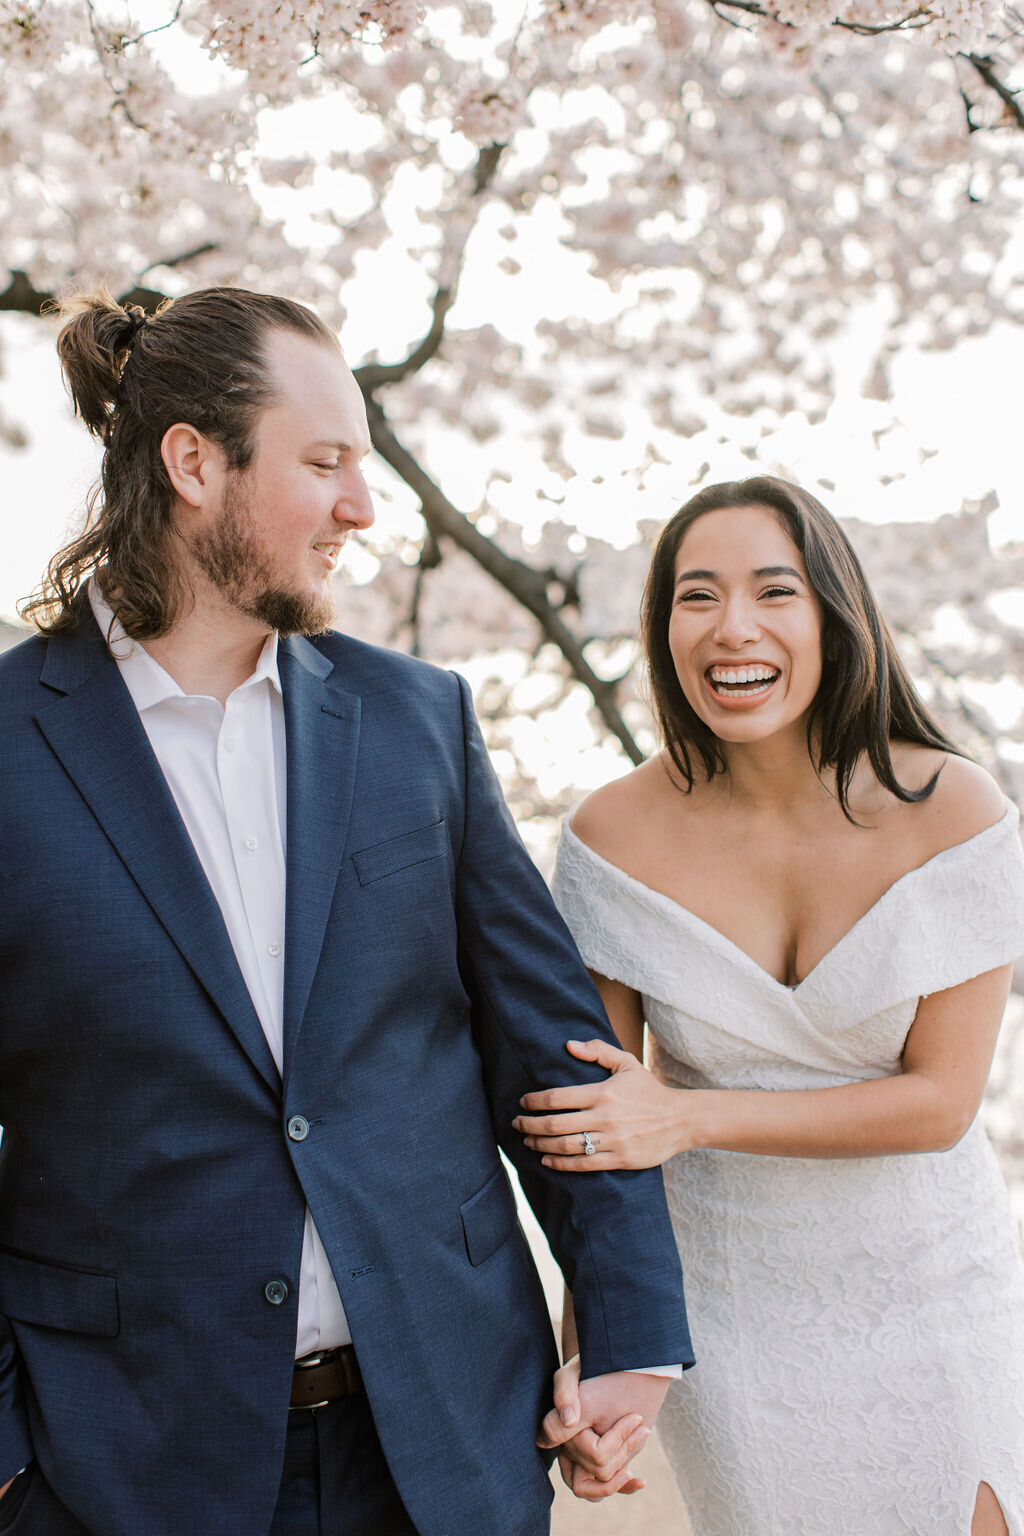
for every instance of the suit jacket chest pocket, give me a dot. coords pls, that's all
(413, 856)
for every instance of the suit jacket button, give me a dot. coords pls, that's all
(275, 1292)
(298, 1127)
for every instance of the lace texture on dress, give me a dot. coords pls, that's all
(858, 1323)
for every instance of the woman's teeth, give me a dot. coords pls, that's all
(742, 682)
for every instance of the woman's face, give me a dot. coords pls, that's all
(746, 626)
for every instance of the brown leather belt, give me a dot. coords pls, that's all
(322, 1377)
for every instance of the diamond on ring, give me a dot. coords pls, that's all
(588, 1146)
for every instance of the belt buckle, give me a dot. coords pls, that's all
(308, 1361)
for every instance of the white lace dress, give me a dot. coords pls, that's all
(858, 1324)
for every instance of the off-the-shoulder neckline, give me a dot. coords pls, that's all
(673, 907)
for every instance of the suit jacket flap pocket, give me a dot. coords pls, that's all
(488, 1218)
(32, 1291)
(400, 852)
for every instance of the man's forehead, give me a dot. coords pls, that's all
(316, 388)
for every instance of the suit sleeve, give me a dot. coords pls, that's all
(15, 1443)
(530, 992)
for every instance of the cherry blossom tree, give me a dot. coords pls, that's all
(602, 221)
(731, 179)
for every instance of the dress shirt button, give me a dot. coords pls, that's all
(228, 743)
(252, 843)
(274, 949)
(275, 1291)
(298, 1127)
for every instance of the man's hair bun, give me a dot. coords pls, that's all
(93, 347)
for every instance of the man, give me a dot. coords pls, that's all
(275, 971)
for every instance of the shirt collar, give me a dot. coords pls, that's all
(146, 680)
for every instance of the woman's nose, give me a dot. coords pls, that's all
(737, 624)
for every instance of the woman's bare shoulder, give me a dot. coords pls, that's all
(616, 816)
(965, 801)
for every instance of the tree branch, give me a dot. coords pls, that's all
(911, 22)
(21, 297)
(373, 374)
(985, 65)
(521, 581)
(182, 257)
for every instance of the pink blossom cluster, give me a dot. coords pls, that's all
(490, 112)
(729, 193)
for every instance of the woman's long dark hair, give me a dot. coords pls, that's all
(865, 699)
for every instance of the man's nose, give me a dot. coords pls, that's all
(354, 505)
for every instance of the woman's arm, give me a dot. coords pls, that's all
(625, 1010)
(635, 1121)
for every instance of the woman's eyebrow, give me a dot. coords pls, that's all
(762, 570)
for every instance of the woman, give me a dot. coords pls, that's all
(813, 903)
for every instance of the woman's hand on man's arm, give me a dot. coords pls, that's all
(634, 1121)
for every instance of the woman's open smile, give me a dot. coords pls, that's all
(742, 687)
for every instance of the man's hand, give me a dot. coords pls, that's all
(598, 1426)
(5, 1487)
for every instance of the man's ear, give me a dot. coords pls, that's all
(195, 465)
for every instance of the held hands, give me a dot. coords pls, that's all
(598, 1426)
(631, 1120)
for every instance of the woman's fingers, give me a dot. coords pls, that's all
(592, 1489)
(596, 1164)
(600, 1051)
(570, 1144)
(547, 1100)
(556, 1125)
(603, 1457)
(618, 1447)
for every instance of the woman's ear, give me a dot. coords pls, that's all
(194, 465)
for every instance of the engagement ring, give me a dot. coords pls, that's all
(588, 1146)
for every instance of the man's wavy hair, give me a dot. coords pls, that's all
(199, 359)
(865, 699)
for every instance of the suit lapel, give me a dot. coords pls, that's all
(95, 731)
(322, 728)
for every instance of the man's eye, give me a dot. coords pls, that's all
(325, 466)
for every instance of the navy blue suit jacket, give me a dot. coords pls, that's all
(150, 1196)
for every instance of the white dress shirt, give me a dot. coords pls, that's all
(225, 765)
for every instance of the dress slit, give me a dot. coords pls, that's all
(993, 1507)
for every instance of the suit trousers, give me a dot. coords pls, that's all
(335, 1480)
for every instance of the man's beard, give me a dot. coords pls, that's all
(231, 555)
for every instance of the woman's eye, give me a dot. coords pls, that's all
(697, 596)
(778, 592)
